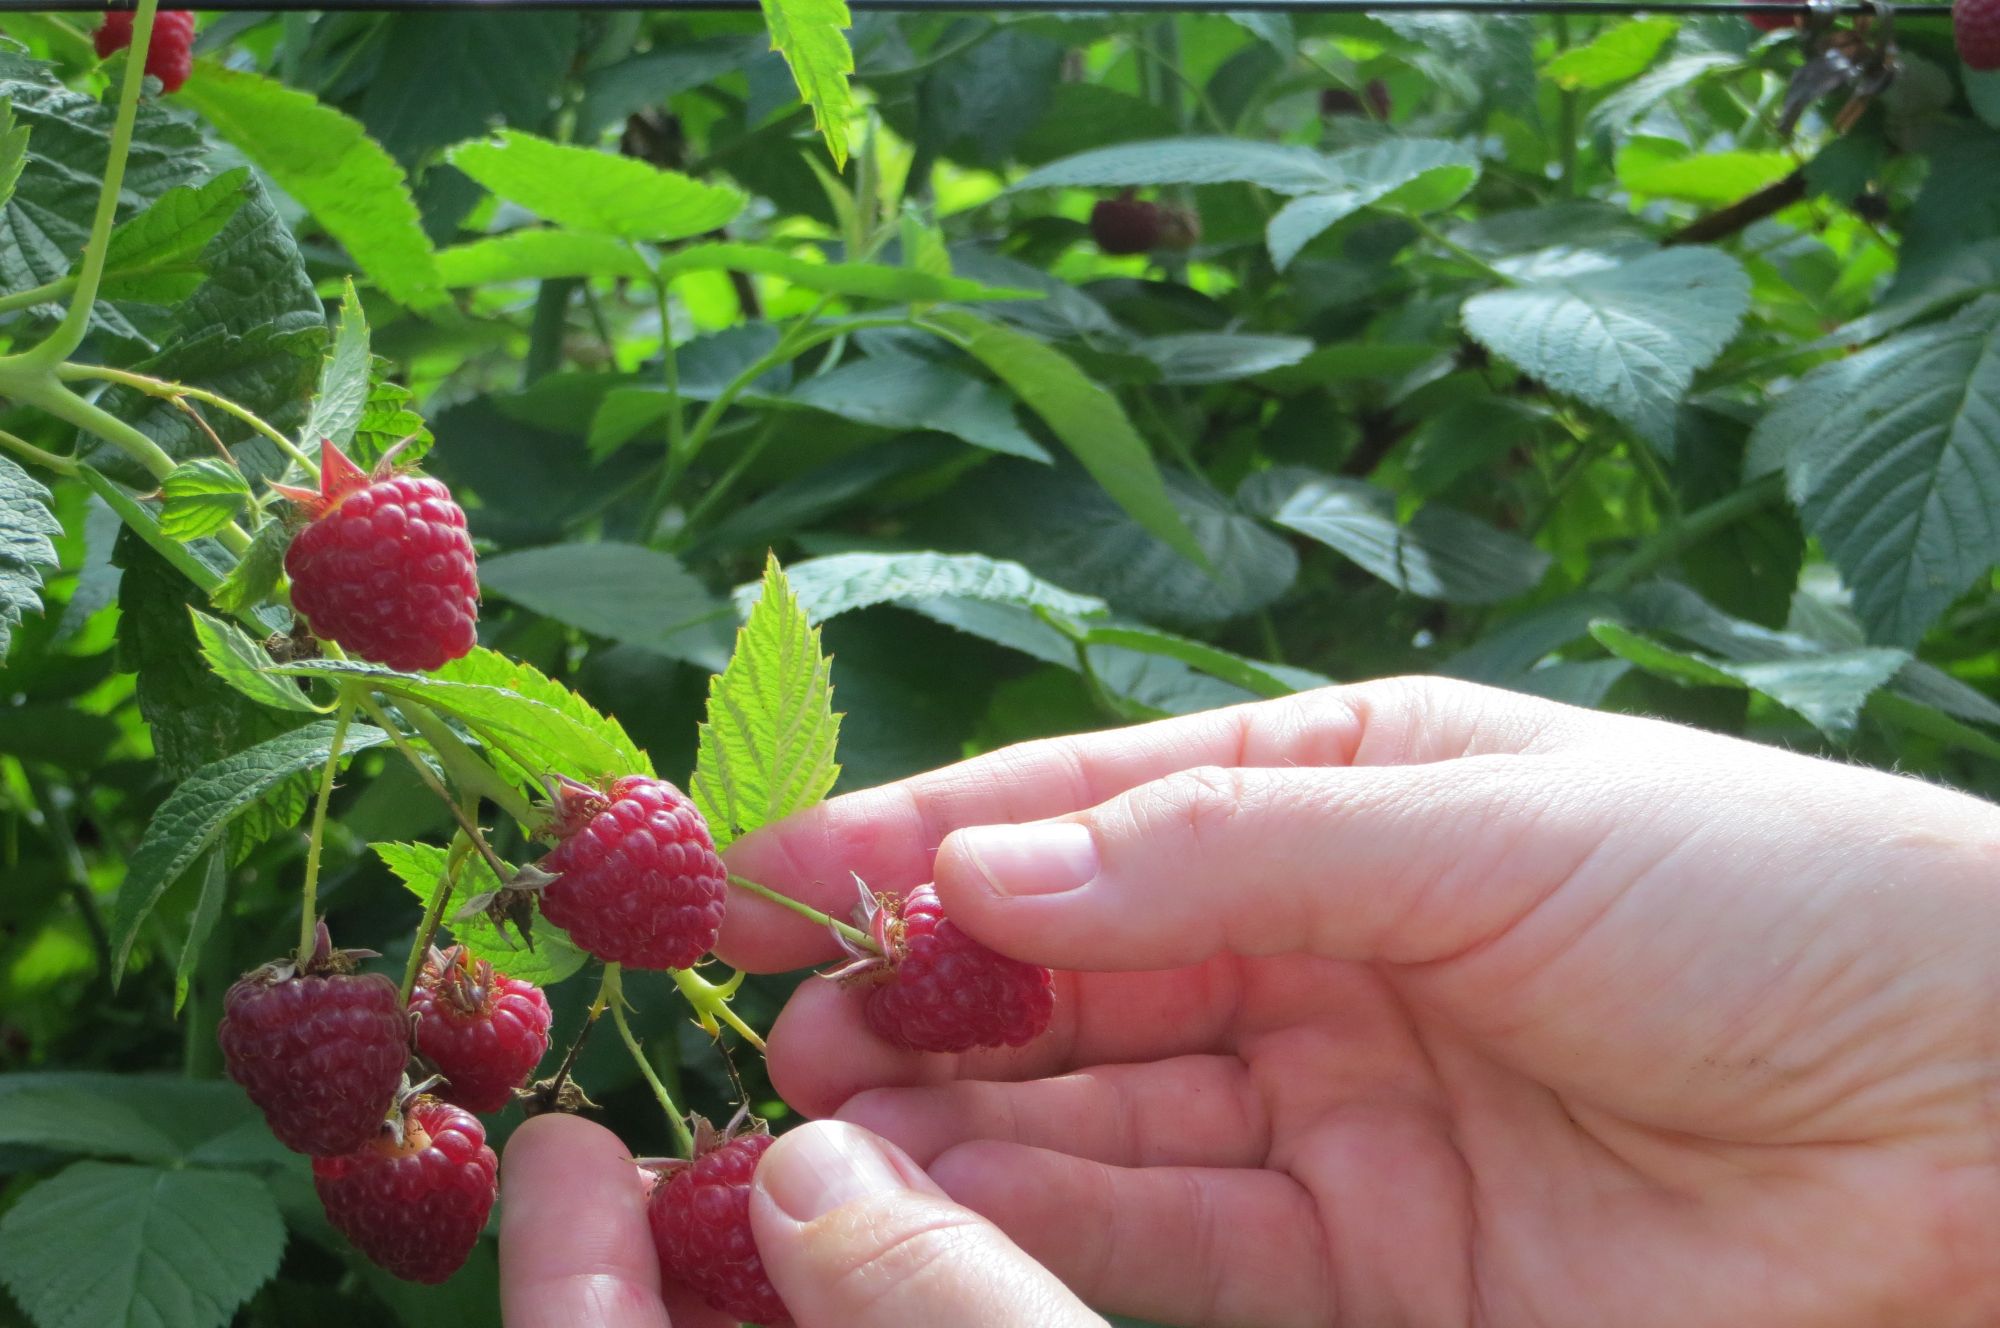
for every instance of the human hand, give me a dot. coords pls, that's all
(852, 1234)
(1420, 1003)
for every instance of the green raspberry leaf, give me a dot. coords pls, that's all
(25, 548)
(596, 191)
(201, 498)
(420, 866)
(812, 36)
(113, 1245)
(767, 748)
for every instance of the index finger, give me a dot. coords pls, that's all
(889, 836)
(574, 1245)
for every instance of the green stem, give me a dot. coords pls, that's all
(801, 337)
(1664, 545)
(159, 387)
(69, 333)
(545, 335)
(670, 368)
(28, 451)
(711, 1004)
(470, 773)
(724, 482)
(47, 293)
(373, 709)
(807, 911)
(614, 999)
(310, 917)
(434, 913)
(1566, 107)
(1458, 251)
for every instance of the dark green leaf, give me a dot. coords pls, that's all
(25, 527)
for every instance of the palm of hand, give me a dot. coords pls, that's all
(1507, 1073)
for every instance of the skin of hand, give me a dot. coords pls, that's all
(851, 1232)
(1419, 1003)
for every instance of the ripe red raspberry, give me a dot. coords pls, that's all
(934, 988)
(1773, 22)
(1128, 225)
(484, 1031)
(414, 1199)
(1975, 25)
(700, 1214)
(321, 1052)
(384, 568)
(637, 879)
(170, 54)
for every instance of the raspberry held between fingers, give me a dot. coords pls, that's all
(700, 1216)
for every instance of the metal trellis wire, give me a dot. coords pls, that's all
(1772, 8)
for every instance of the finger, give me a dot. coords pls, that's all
(574, 1244)
(854, 1235)
(890, 835)
(1405, 865)
(822, 1051)
(1187, 1245)
(1191, 1111)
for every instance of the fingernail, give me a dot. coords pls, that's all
(816, 1169)
(1041, 858)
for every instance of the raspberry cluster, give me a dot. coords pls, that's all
(323, 1050)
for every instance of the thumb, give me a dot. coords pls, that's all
(1404, 864)
(854, 1235)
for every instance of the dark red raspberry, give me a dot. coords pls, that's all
(1128, 225)
(934, 988)
(1975, 24)
(384, 568)
(1371, 100)
(637, 879)
(1773, 22)
(414, 1200)
(700, 1214)
(170, 54)
(321, 1052)
(484, 1031)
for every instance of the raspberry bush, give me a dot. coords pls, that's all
(441, 460)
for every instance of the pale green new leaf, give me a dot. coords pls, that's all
(194, 816)
(1087, 419)
(25, 549)
(1624, 336)
(329, 164)
(844, 582)
(490, 668)
(343, 379)
(239, 661)
(596, 191)
(201, 497)
(539, 255)
(1619, 52)
(110, 1245)
(767, 746)
(420, 867)
(550, 736)
(812, 36)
